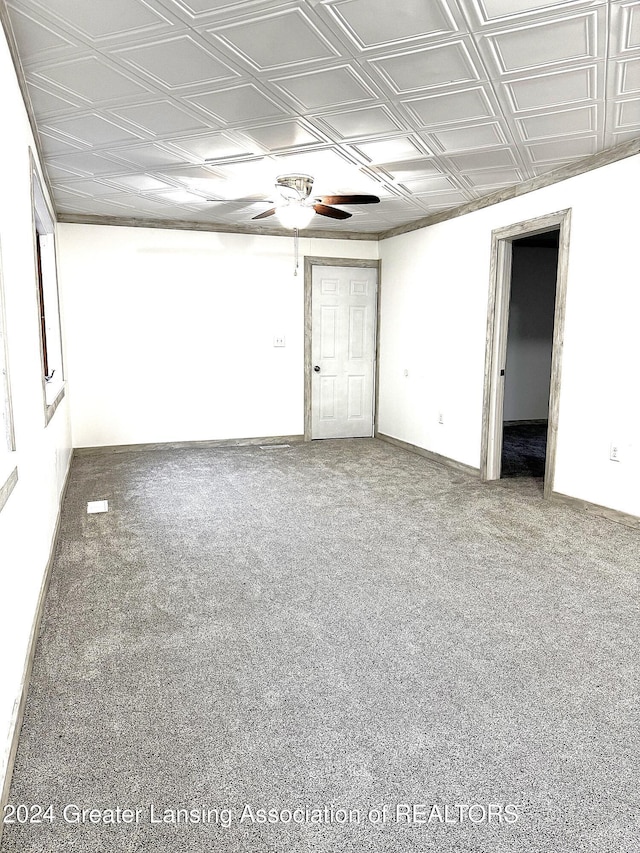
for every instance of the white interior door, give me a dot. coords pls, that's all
(343, 333)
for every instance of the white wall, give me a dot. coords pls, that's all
(530, 337)
(169, 334)
(27, 520)
(433, 322)
(434, 292)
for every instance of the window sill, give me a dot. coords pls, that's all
(7, 487)
(53, 399)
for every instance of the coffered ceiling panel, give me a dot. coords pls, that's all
(201, 8)
(261, 44)
(483, 160)
(553, 43)
(385, 150)
(241, 104)
(562, 149)
(45, 102)
(436, 183)
(559, 123)
(628, 80)
(494, 178)
(91, 130)
(86, 163)
(427, 68)
(469, 138)
(373, 23)
(136, 182)
(438, 200)
(210, 146)
(137, 158)
(176, 62)
(461, 106)
(285, 134)
(36, 37)
(552, 90)
(161, 117)
(365, 122)
(627, 16)
(53, 145)
(404, 170)
(325, 88)
(633, 17)
(98, 19)
(495, 10)
(327, 164)
(184, 109)
(90, 78)
(90, 188)
(628, 113)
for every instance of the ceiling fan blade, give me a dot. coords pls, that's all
(349, 199)
(241, 200)
(269, 212)
(331, 212)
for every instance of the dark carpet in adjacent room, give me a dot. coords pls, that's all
(524, 448)
(338, 624)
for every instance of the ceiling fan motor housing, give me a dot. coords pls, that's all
(300, 184)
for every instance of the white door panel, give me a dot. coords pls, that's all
(343, 317)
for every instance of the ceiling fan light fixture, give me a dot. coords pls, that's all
(295, 215)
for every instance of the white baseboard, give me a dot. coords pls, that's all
(429, 454)
(186, 445)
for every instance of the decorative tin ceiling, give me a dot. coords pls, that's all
(147, 107)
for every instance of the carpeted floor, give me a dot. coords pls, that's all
(335, 626)
(524, 448)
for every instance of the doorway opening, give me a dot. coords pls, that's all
(527, 381)
(524, 349)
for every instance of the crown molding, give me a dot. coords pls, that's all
(185, 225)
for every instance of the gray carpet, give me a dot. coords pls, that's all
(343, 625)
(524, 449)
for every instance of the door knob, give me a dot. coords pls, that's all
(317, 368)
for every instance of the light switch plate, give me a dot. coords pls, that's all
(278, 341)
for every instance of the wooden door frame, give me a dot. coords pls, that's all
(497, 332)
(310, 262)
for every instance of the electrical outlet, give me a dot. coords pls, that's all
(615, 452)
(278, 341)
(440, 418)
(406, 373)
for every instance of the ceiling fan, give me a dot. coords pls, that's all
(296, 207)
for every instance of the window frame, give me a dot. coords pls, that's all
(8, 468)
(47, 297)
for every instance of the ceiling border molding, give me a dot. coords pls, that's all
(24, 91)
(184, 225)
(570, 170)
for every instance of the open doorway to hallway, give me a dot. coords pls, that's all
(527, 380)
(523, 363)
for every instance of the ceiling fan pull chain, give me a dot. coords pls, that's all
(295, 248)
